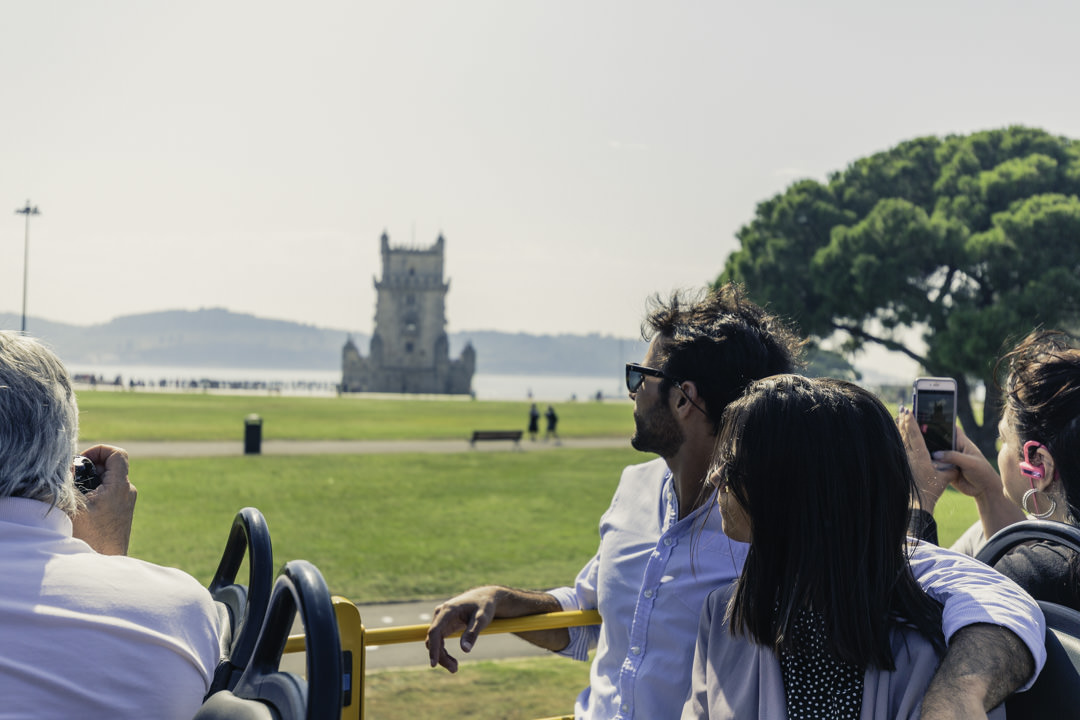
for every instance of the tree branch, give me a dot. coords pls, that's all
(946, 286)
(856, 331)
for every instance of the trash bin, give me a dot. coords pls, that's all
(252, 435)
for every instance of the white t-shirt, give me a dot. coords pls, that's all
(971, 542)
(85, 636)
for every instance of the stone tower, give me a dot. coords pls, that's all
(409, 352)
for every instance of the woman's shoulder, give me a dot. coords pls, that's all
(1045, 570)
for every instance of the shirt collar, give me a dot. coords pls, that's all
(34, 513)
(670, 503)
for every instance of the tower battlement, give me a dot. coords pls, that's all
(409, 350)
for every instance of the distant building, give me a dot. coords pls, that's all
(409, 352)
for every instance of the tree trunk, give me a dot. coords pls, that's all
(985, 435)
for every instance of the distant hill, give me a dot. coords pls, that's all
(220, 338)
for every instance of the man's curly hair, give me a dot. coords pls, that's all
(721, 341)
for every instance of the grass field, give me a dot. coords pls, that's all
(119, 416)
(388, 527)
(502, 690)
(398, 527)
(381, 527)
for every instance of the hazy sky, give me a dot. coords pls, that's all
(577, 156)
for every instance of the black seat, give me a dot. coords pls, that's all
(1010, 536)
(246, 604)
(1056, 692)
(264, 692)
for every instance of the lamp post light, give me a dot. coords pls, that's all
(27, 211)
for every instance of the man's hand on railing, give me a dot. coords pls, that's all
(472, 611)
(468, 613)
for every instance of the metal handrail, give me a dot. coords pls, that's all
(355, 639)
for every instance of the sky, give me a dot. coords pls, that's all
(576, 156)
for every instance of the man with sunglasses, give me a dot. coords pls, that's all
(662, 549)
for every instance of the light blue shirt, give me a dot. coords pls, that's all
(652, 573)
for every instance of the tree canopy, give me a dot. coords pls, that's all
(973, 240)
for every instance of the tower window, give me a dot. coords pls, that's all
(408, 347)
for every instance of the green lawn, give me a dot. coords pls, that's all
(504, 690)
(387, 527)
(118, 416)
(954, 514)
(380, 526)
(398, 527)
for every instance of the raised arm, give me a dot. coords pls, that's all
(966, 469)
(105, 522)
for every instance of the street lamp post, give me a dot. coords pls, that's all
(27, 211)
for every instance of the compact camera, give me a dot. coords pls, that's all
(86, 475)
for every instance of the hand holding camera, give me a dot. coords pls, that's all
(105, 522)
(86, 475)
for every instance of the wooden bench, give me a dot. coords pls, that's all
(478, 435)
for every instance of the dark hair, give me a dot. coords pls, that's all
(820, 469)
(721, 341)
(1042, 401)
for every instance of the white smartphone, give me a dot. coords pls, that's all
(934, 404)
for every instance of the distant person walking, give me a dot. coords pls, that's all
(552, 421)
(534, 422)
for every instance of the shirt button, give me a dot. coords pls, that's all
(648, 593)
(667, 541)
(625, 707)
(636, 650)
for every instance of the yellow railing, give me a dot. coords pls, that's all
(355, 639)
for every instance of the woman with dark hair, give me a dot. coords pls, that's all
(826, 619)
(1039, 464)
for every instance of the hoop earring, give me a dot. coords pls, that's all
(1040, 515)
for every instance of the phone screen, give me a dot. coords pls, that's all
(935, 411)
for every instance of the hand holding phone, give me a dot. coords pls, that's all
(934, 406)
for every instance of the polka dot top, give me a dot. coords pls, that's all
(817, 684)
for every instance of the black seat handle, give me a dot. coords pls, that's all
(1024, 531)
(251, 536)
(299, 588)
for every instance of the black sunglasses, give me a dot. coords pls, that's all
(635, 376)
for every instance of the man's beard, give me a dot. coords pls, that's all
(657, 432)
